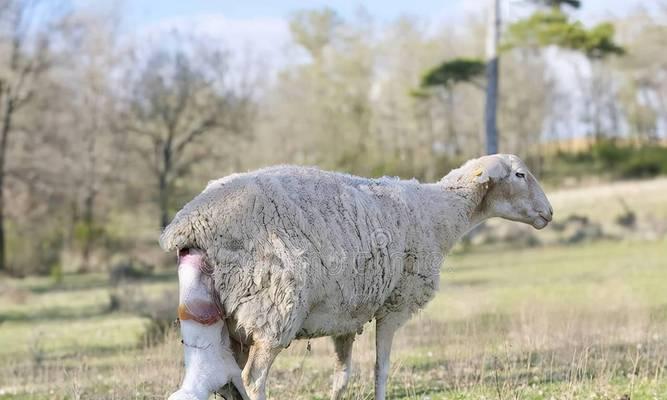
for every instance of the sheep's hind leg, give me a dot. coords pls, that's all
(256, 370)
(342, 369)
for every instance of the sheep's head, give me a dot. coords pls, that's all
(512, 191)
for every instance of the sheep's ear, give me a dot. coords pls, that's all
(491, 169)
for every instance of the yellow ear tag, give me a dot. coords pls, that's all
(478, 172)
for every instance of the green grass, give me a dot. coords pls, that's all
(557, 322)
(594, 278)
(542, 323)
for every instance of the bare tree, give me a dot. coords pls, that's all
(95, 151)
(27, 28)
(180, 95)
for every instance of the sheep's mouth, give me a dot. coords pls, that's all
(540, 222)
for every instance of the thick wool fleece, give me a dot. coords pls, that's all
(299, 252)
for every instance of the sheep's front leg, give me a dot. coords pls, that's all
(342, 368)
(209, 362)
(384, 335)
(256, 370)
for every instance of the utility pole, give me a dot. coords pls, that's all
(492, 77)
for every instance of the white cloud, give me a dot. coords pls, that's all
(595, 11)
(267, 37)
(591, 12)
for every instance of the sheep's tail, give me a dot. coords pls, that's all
(179, 234)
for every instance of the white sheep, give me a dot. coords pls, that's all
(302, 253)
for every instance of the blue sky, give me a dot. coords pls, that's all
(261, 25)
(141, 12)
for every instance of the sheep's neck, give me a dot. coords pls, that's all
(456, 210)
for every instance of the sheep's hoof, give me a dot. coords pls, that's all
(183, 395)
(230, 392)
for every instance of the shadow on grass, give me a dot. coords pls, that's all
(466, 283)
(95, 281)
(71, 286)
(69, 356)
(54, 313)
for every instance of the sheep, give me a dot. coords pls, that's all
(300, 253)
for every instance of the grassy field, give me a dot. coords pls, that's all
(557, 322)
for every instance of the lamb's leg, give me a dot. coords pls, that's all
(209, 362)
(241, 351)
(256, 370)
(384, 335)
(341, 376)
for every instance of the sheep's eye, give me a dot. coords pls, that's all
(520, 175)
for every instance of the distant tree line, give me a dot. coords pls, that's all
(103, 137)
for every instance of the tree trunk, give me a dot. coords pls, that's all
(163, 178)
(492, 76)
(451, 129)
(90, 234)
(89, 203)
(8, 111)
(163, 193)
